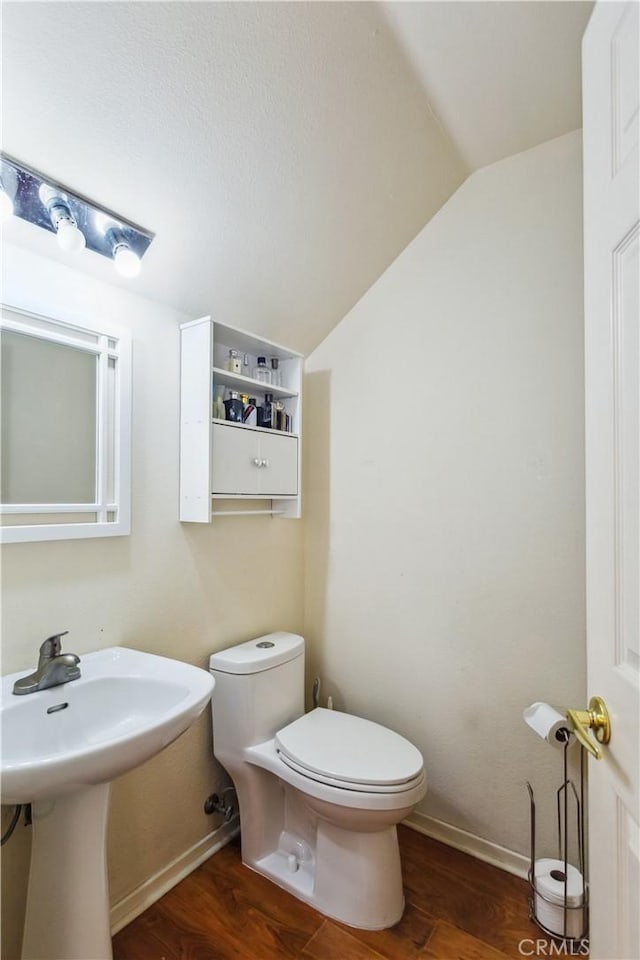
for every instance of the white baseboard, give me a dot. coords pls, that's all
(485, 850)
(136, 902)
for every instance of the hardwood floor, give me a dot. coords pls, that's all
(457, 909)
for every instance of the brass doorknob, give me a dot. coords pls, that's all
(596, 718)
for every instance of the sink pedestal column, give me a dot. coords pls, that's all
(67, 914)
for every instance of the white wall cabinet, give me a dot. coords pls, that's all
(225, 461)
(253, 462)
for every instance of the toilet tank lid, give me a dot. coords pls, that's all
(263, 653)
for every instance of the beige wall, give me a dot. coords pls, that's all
(443, 519)
(175, 589)
(444, 504)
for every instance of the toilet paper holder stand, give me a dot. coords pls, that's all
(571, 914)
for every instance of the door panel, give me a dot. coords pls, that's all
(279, 476)
(234, 452)
(612, 361)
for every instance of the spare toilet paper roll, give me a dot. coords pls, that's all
(550, 893)
(548, 724)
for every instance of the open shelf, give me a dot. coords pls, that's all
(246, 426)
(242, 383)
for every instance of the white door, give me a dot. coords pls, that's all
(612, 357)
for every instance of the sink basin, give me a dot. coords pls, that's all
(126, 707)
(60, 750)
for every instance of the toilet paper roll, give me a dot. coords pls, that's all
(550, 882)
(550, 891)
(548, 724)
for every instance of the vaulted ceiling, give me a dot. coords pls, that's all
(284, 153)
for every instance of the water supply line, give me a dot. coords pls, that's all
(216, 804)
(12, 825)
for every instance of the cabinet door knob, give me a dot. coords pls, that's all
(265, 463)
(257, 462)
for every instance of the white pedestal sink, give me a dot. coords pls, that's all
(60, 750)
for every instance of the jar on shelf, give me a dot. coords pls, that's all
(261, 372)
(234, 363)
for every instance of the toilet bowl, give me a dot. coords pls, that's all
(319, 794)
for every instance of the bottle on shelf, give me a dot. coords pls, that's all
(246, 369)
(234, 363)
(233, 407)
(279, 416)
(261, 372)
(218, 411)
(265, 412)
(275, 372)
(250, 413)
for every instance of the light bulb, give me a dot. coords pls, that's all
(6, 205)
(47, 194)
(70, 238)
(127, 262)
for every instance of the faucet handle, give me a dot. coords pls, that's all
(51, 646)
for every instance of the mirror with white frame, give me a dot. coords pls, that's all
(66, 429)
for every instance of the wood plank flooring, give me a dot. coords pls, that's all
(457, 909)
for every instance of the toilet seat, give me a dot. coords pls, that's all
(349, 752)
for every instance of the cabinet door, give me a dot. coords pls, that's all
(278, 475)
(235, 467)
(252, 463)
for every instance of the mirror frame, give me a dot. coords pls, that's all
(112, 348)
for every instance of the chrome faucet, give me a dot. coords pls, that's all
(54, 667)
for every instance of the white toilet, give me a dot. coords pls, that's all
(320, 793)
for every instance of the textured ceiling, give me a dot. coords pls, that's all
(284, 153)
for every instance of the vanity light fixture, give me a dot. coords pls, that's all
(6, 204)
(76, 221)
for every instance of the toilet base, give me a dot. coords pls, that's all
(352, 877)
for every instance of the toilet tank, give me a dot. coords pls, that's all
(259, 689)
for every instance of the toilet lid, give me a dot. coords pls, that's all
(349, 749)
